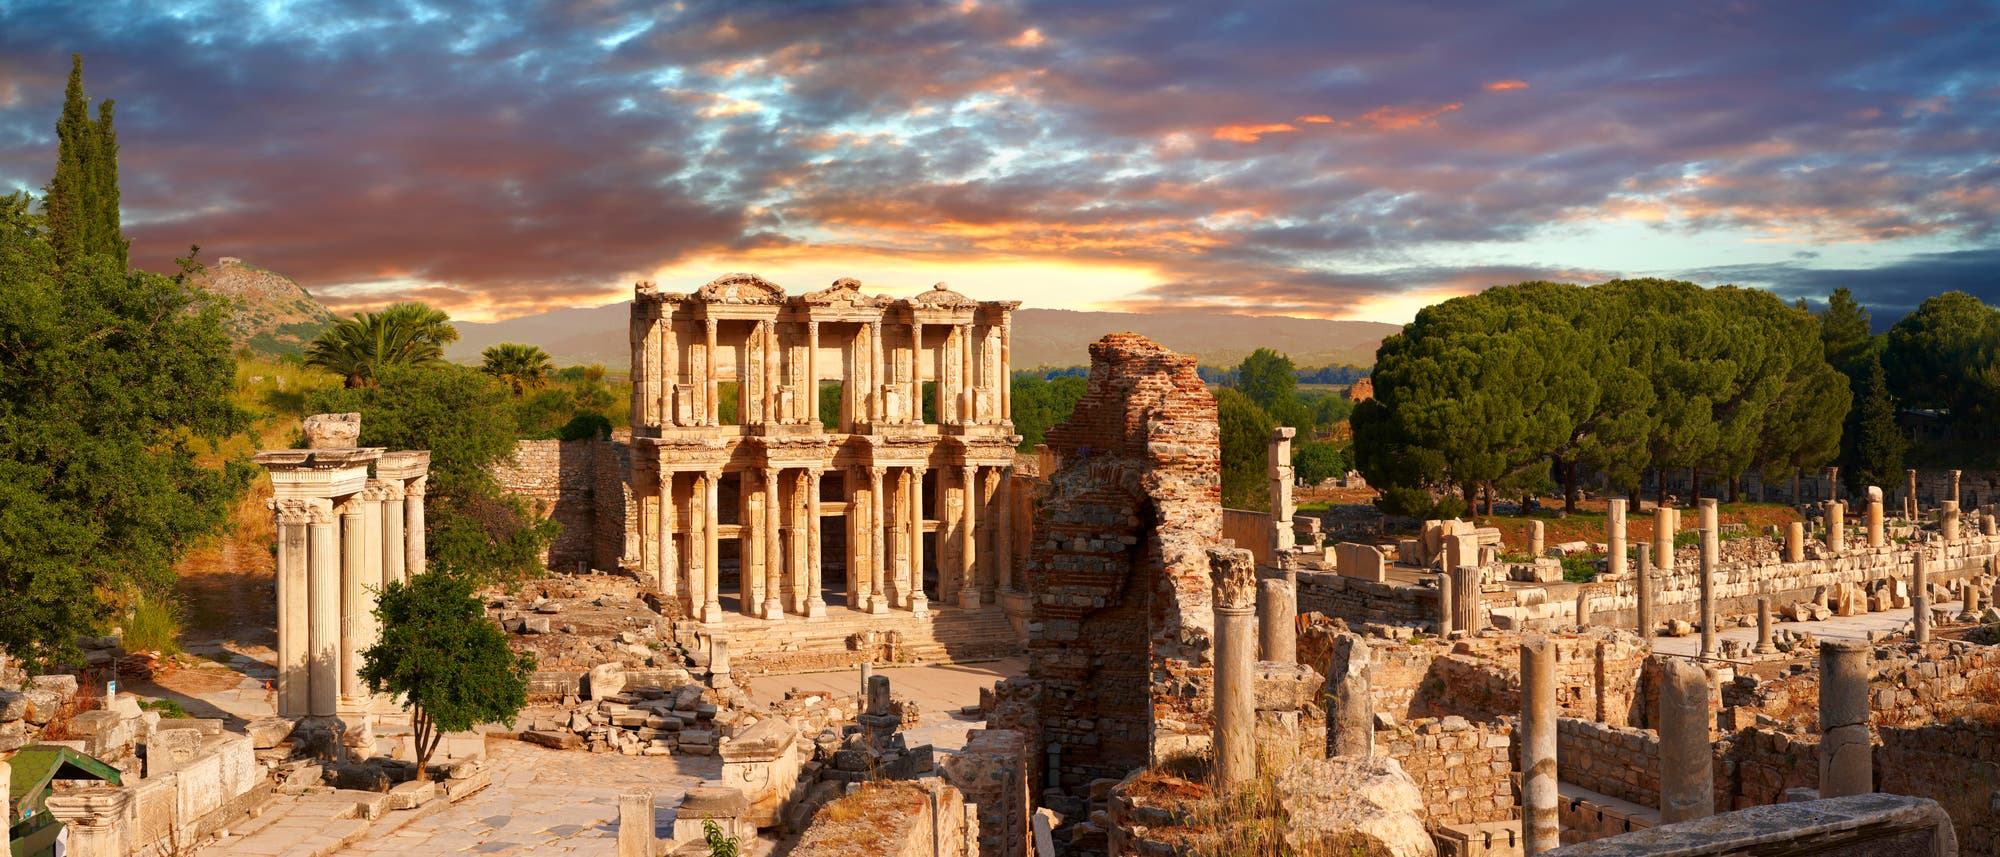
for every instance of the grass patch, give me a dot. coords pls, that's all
(167, 708)
(1579, 569)
(152, 624)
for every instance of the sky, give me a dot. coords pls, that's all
(1336, 160)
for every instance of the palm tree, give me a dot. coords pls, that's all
(520, 367)
(357, 349)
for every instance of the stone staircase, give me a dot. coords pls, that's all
(842, 639)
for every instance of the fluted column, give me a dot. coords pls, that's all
(709, 381)
(353, 548)
(812, 373)
(670, 560)
(413, 526)
(968, 550)
(878, 597)
(774, 546)
(711, 503)
(815, 604)
(395, 545)
(919, 602)
(749, 553)
(294, 615)
(875, 414)
(1006, 370)
(856, 488)
(323, 609)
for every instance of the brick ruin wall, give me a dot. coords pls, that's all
(1463, 768)
(1358, 601)
(1119, 662)
(1599, 676)
(585, 486)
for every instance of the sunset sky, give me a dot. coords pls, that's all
(1326, 159)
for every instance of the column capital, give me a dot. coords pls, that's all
(416, 487)
(352, 507)
(712, 472)
(319, 511)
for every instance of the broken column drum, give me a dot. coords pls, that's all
(1350, 706)
(1645, 587)
(1836, 526)
(1709, 552)
(1920, 598)
(1614, 537)
(1687, 762)
(1875, 539)
(1277, 621)
(1465, 613)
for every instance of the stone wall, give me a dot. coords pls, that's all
(1464, 769)
(902, 819)
(586, 487)
(992, 772)
(1358, 601)
(1598, 676)
(1956, 764)
(1611, 760)
(1250, 531)
(1119, 649)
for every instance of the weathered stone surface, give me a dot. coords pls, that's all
(412, 794)
(1354, 806)
(607, 679)
(333, 431)
(1874, 825)
(555, 739)
(1350, 707)
(268, 732)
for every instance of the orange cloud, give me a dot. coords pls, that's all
(1315, 119)
(1251, 133)
(1506, 85)
(1405, 118)
(1027, 39)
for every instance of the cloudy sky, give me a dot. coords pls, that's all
(1344, 160)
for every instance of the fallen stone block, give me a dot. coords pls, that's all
(268, 732)
(457, 790)
(412, 794)
(553, 739)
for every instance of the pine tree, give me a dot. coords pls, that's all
(80, 203)
(1880, 445)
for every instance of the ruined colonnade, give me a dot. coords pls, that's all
(341, 536)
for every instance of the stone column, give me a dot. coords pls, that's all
(323, 610)
(95, 819)
(1541, 827)
(1795, 542)
(964, 381)
(1764, 645)
(1277, 621)
(1954, 484)
(1687, 762)
(1711, 520)
(1465, 613)
(920, 603)
(1910, 495)
(1614, 537)
(1447, 600)
(375, 510)
(812, 374)
(1003, 537)
(635, 824)
(1644, 586)
(1278, 456)
(395, 547)
(670, 557)
(709, 381)
(916, 374)
(413, 526)
(875, 415)
(968, 550)
(711, 508)
(774, 545)
(1833, 483)
(1708, 557)
(1350, 705)
(878, 597)
(1948, 519)
(1537, 540)
(1846, 752)
(6, 809)
(1836, 526)
(1988, 525)
(815, 604)
(1666, 521)
(1235, 573)
(353, 546)
(1920, 597)
(1007, 371)
(294, 614)
(1874, 516)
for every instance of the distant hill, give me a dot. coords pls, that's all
(1042, 337)
(269, 312)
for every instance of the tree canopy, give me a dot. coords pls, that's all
(520, 367)
(361, 348)
(1501, 388)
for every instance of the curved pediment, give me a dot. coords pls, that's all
(741, 289)
(941, 296)
(845, 292)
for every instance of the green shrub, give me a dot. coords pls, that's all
(152, 624)
(166, 707)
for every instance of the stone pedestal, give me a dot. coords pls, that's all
(1847, 754)
(1687, 763)
(1277, 621)
(96, 818)
(6, 800)
(635, 824)
(1350, 707)
(1280, 471)
(1836, 526)
(1234, 572)
(1614, 537)
(1541, 827)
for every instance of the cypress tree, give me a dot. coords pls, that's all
(1881, 444)
(80, 202)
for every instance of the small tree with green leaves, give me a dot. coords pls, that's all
(445, 658)
(719, 843)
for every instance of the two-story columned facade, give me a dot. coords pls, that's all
(834, 447)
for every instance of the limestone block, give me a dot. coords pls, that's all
(333, 431)
(554, 739)
(721, 804)
(169, 750)
(269, 731)
(1285, 687)
(762, 764)
(412, 794)
(13, 706)
(63, 686)
(607, 679)
(1354, 805)
(458, 789)
(1364, 562)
